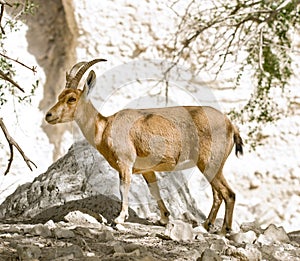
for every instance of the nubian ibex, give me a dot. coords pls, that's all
(142, 141)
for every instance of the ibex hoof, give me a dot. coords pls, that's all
(208, 225)
(120, 219)
(225, 231)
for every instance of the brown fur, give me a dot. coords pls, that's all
(164, 139)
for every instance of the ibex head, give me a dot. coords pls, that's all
(64, 110)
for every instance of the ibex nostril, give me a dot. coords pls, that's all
(49, 114)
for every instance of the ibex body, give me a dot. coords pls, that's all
(147, 140)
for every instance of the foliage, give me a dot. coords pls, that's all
(8, 87)
(7, 64)
(213, 34)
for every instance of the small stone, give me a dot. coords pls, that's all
(41, 230)
(82, 219)
(132, 247)
(200, 230)
(252, 252)
(50, 224)
(87, 232)
(148, 258)
(189, 218)
(105, 236)
(121, 228)
(209, 255)
(118, 248)
(218, 245)
(236, 253)
(179, 231)
(63, 233)
(135, 253)
(246, 237)
(65, 253)
(273, 234)
(246, 226)
(28, 252)
(295, 236)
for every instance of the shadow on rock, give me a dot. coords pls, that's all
(99, 206)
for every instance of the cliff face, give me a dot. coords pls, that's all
(52, 39)
(266, 182)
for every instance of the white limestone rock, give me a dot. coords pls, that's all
(179, 231)
(273, 234)
(244, 237)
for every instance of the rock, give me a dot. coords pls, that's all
(295, 236)
(131, 247)
(91, 233)
(118, 248)
(200, 229)
(50, 224)
(28, 252)
(237, 253)
(148, 258)
(273, 234)
(209, 255)
(63, 233)
(179, 231)
(254, 226)
(278, 251)
(189, 218)
(135, 253)
(65, 253)
(82, 179)
(40, 230)
(252, 253)
(82, 219)
(243, 237)
(105, 236)
(218, 245)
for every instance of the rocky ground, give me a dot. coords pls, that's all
(67, 213)
(79, 236)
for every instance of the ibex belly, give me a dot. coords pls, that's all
(163, 145)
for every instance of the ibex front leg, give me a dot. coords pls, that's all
(125, 179)
(154, 190)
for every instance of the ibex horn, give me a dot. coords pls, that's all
(84, 66)
(73, 71)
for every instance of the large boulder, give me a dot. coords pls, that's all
(82, 179)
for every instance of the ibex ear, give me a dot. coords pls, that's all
(89, 83)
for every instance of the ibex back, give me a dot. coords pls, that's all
(147, 140)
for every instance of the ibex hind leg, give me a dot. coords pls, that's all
(221, 191)
(217, 201)
(229, 198)
(154, 190)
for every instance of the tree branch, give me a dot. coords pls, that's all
(6, 78)
(1, 15)
(12, 143)
(33, 68)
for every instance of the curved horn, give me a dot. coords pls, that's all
(73, 83)
(75, 68)
(70, 75)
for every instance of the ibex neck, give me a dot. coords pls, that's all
(87, 117)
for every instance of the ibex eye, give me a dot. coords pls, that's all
(72, 99)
